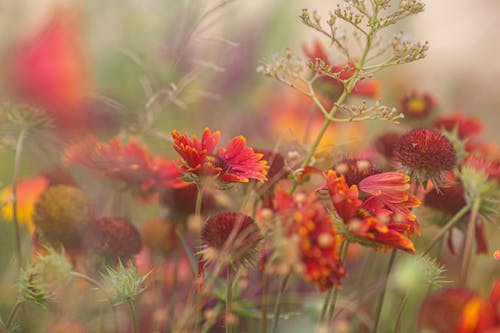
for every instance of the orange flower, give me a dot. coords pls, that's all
(364, 88)
(28, 191)
(373, 222)
(129, 163)
(318, 238)
(236, 163)
(458, 310)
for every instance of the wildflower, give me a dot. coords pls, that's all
(129, 163)
(235, 163)
(467, 127)
(371, 222)
(425, 154)
(48, 69)
(417, 105)
(159, 236)
(354, 170)
(27, 191)
(386, 143)
(233, 234)
(365, 88)
(449, 199)
(114, 238)
(63, 213)
(305, 219)
(458, 310)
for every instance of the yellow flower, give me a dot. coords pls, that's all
(28, 191)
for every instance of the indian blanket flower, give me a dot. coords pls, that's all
(235, 163)
(417, 105)
(380, 220)
(304, 216)
(234, 234)
(27, 190)
(181, 200)
(385, 144)
(364, 88)
(355, 169)
(129, 163)
(467, 127)
(459, 310)
(425, 154)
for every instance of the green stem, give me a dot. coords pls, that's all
(132, 314)
(326, 303)
(12, 314)
(277, 305)
(447, 227)
(384, 289)
(15, 176)
(229, 297)
(263, 320)
(347, 90)
(102, 288)
(467, 253)
(333, 301)
(397, 327)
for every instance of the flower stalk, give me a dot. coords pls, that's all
(467, 253)
(380, 303)
(15, 176)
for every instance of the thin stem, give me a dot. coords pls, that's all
(229, 297)
(13, 313)
(384, 289)
(277, 305)
(347, 90)
(263, 320)
(333, 301)
(447, 227)
(397, 327)
(326, 303)
(467, 253)
(17, 163)
(132, 314)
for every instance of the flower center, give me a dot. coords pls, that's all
(217, 162)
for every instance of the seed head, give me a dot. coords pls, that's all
(425, 154)
(354, 170)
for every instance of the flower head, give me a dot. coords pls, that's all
(378, 220)
(114, 238)
(386, 143)
(466, 126)
(63, 213)
(277, 168)
(417, 105)
(234, 234)
(354, 170)
(182, 200)
(425, 154)
(234, 163)
(129, 163)
(159, 236)
(27, 190)
(305, 218)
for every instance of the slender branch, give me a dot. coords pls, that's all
(12, 314)
(15, 176)
(277, 305)
(132, 314)
(467, 253)
(229, 297)
(384, 289)
(333, 302)
(263, 320)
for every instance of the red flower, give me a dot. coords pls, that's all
(458, 310)
(417, 105)
(129, 163)
(380, 219)
(365, 88)
(236, 163)
(318, 238)
(466, 126)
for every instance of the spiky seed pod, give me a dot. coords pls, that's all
(62, 214)
(114, 238)
(355, 170)
(159, 236)
(425, 154)
(233, 234)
